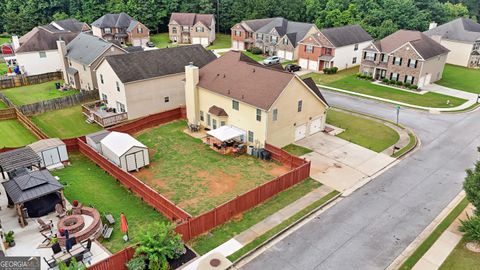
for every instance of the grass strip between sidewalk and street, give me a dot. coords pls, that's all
(433, 237)
(224, 232)
(411, 144)
(282, 226)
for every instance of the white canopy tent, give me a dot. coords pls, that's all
(225, 133)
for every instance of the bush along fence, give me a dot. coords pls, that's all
(22, 80)
(58, 103)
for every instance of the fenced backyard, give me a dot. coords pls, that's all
(22, 80)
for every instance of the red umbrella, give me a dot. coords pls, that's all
(124, 224)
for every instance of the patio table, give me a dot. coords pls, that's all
(76, 251)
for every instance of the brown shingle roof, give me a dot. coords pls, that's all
(425, 46)
(191, 19)
(39, 39)
(234, 76)
(217, 111)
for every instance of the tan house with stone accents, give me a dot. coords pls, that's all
(406, 56)
(122, 28)
(192, 28)
(272, 105)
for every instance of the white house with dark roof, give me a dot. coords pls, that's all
(122, 28)
(36, 51)
(148, 82)
(462, 37)
(81, 56)
(339, 47)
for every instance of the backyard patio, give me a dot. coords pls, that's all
(192, 175)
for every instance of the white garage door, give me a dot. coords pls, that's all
(316, 125)
(281, 54)
(289, 55)
(313, 65)
(51, 157)
(204, 42)
(196, 40)
(303, 63)
(137, 42)
(300, 132)
(238, 45)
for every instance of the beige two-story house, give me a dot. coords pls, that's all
(122, 28)
(148, 82)
(274, 36)
(462, 37)
(406, 56)
(80, 57)
(267, 104)
(192, 28)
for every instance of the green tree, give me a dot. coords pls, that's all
(206, 6)
(60, 16)
(471, 228)
(471, 185)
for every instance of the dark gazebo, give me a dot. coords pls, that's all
(18, 159)
(33, 193)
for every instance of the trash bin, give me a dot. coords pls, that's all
(267, 155)
(57, 85)
(250, 150)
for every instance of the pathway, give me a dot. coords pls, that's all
(242, 239)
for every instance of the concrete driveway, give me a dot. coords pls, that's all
(341, 164)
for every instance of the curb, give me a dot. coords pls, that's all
(271, 239)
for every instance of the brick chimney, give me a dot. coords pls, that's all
(191, 93)
(62, 53)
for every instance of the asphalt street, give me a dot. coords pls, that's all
(371, 227)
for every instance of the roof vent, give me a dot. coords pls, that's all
(224, 75)
(190, 64)
(218, 74)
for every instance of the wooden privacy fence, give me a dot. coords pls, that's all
(30, 125)
(22, 80)
(115, 262)
(150, 196)
(9, 113)
(283, 156)
(58, 103)
(6, 100)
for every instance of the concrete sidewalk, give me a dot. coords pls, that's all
(452, 92)
(247, 236)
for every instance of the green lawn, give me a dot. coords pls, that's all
(364, 132)
(321, 78)
(89, 184)
(297, 150)
(2, 105)
(222, 41)
(408, 147)
(14, 134)
(223, 233)
(35, 93)
(3, 68)
(425, 246)
(162, 40)
(277, 229)
(461, 259)
(429, 99)
(4, 39)
(65, 123)
(195, 177)
(461, 78)
(256, 57)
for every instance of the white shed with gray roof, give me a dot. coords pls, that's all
(52, 152)
(125, 151)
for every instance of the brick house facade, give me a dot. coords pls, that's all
(192, 28)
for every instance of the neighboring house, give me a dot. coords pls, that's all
(268, 104)
(148, 82)
(275, 36)
(339, 47)
(36, 51)
(81, 56)
(121, 27)
(406, 56)
(192, 28)
(462, 38)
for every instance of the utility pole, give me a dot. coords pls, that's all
(398, 112)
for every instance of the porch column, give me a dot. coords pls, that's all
(62, 197)
(20, 214)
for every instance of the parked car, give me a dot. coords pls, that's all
(150, 44)
(271, 60)
(292, 68)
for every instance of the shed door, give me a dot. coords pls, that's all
(131, 162)
(139, 159)
(300, 132)
(51, 157)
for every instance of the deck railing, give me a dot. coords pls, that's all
(90, 111)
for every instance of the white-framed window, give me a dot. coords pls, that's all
(42, 54)
(101, 78)
(476, 46)
(397, 61)
(275, 114)
(328, 51)
(84, 68)
(250, 136)
(185, 28)
(409, 79)
(309, 48)
(385, 58)
(412, 63)
(259, 36)
(259, 115)
(120, 107)
(354, 60)
(208, 119)
(273, 38)
(285, 40)
(118, 86)
(104, 97)
(139, 30)
(355, 48)
(238, 33)
(174, 30)
(369, 56)
(214, 123)
(199, 29)
(166, 99)
(202, 118)
(222, 123)
(394, 76)
(235, 105)
(299, 105)
(107, 30)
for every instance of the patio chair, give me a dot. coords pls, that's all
(56, 248)
(88, 254)
(51, 263)
(48, 238)
(107, 231)
(60, 210)
(44, 226)
(109, 217)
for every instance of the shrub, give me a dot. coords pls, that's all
(137, 263)
(413, 86)
(392, 81)
(249, 49)
(369, 78)
(471, 228)
(363, 76)
(256, 50)
(334, 70)
(385, 80)
(326, 71)
(471, 185)
(358, 75)
(407, 84)
(399, 83)
(159, 243)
